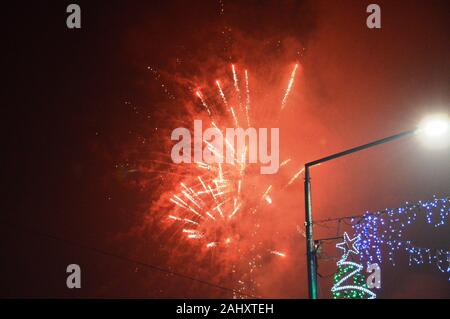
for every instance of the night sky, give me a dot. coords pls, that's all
(86, 118)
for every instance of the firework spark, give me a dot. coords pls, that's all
(247, 100)
(236, 85)
(296, 175)
(278, 253)
(289, 87)
(200, 96)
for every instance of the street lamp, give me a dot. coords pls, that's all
(429, 130)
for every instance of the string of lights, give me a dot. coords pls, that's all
(382, 233)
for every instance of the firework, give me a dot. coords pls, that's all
(216, 206)
(217, 209)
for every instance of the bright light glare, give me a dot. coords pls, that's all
(435, 127)
(435, 130)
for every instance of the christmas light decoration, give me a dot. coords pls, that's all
(348, 270)
(348, 246)
(418, 256)
(382, 233)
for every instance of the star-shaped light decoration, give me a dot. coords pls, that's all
(348, 246)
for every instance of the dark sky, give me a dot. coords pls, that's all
(78, 102)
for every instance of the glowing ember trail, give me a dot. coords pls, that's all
(278, 253)
(247, 100)
(200, 96)
(236, 85)
(222, 95)
(289, 87)
(234, 117)
(296, 175)
(285, 162)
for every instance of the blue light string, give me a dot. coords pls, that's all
(383, 231)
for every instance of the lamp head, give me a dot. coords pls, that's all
(435, 130)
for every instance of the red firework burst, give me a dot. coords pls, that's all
(217, 206)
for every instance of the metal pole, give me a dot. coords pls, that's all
(363, 147)
(310, 247)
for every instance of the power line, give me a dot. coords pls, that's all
(361, 217)
(126, 259)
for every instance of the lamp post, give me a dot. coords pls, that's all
(431, 128)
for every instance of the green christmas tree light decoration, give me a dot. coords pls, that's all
(349, 282)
